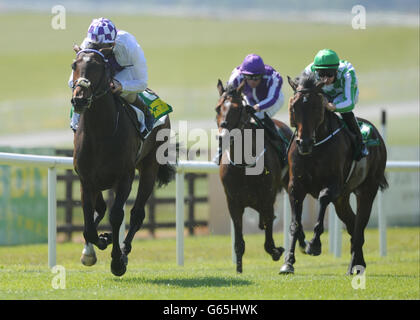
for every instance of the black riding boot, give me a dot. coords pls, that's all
(351, 122)
(274, 136)
(148, 117)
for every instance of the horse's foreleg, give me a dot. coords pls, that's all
(236, 213)
(269, 244)
(116, 216)
(296, 201)
(313, 247)
(88, 203)
(88, 257)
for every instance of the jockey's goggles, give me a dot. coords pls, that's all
(326, 73)
(254, 77)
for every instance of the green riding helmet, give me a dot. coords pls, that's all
(326, 59)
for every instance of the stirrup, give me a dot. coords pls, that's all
(364, 151)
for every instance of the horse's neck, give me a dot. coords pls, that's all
(242, 140)
(101, 118)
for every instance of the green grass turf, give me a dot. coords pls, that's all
(208, 272)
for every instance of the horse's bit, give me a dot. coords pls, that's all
(86, 84)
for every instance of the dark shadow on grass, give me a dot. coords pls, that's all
(193, 282)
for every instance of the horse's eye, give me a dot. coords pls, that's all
(73, 66)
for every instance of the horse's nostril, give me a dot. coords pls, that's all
(223, 124)
(299, 142)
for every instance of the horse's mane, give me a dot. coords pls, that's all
(230, 89)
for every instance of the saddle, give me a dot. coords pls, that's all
(366, 131)
(157, 108)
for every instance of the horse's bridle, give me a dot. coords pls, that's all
(244, 123)
(315, 143)
(86, 83)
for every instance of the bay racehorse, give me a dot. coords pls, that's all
(257, 191)
(321, 164)
(106, 154)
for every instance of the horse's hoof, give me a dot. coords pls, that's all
(356, 270)
(277, 252)
(88, 260)
(107, 237)
(287, 268)
(302, 249)
(313, 250)
(119, 266)
(239, 268)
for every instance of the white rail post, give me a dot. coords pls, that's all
(179, 181)
(381, 213)
(338, 234)
(331, 229)
(286, 221)
(52, 217)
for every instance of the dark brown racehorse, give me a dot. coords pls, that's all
(321, 164)
(257, 191)
(106, 154)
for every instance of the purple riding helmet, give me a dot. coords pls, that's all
(252, 64)
(102, 30)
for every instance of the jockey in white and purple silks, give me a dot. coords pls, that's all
(128, 62)
(262, 88)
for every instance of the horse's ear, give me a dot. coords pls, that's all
(106, 51)
(220, 87)
(292, 83)
(240, 87)
(76, 48)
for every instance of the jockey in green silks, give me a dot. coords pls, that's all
(340, 89)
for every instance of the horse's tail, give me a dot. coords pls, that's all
(166, 172)
(383, 183)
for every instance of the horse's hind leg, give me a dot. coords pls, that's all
(268, 217)
(345, 213)
(146, 185)
(365, 197)
(88, 257)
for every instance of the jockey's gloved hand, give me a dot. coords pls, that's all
(250, 109)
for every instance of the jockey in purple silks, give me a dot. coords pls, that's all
(127, 61)
(262, 88)
(262, 92)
